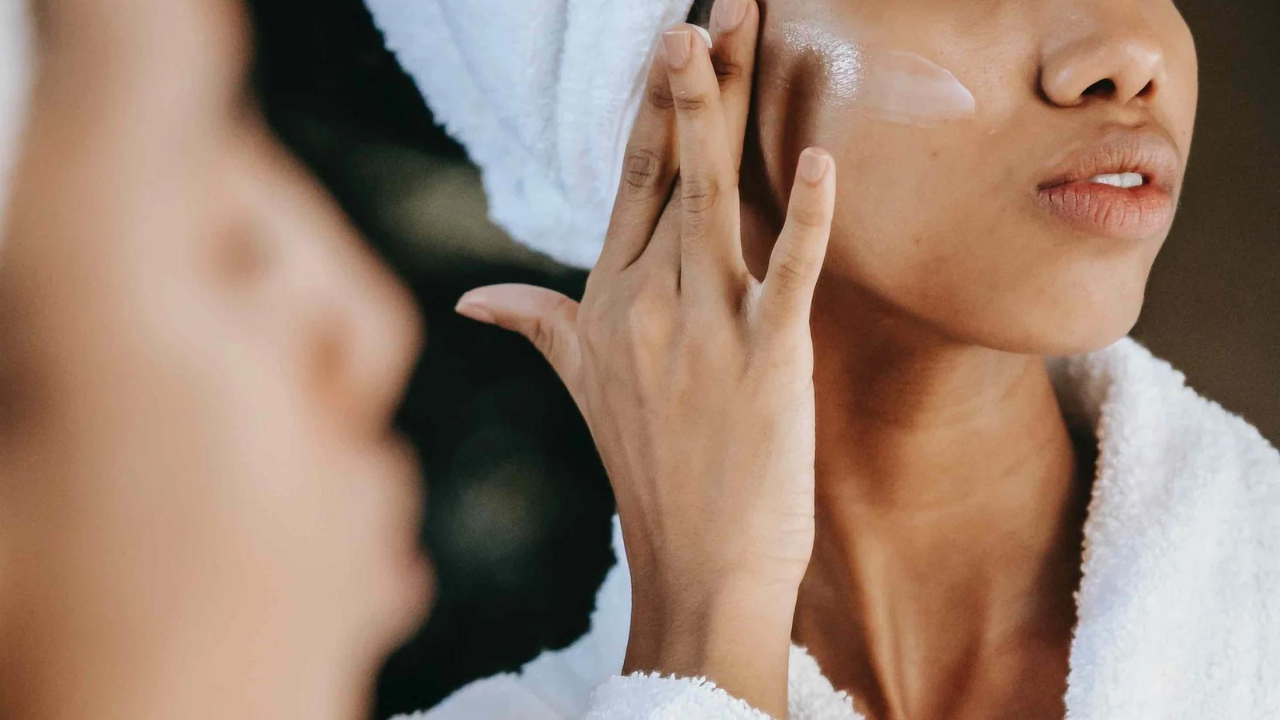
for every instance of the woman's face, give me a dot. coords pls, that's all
(204, 511)
(967, 134)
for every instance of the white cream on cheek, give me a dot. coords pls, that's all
(894, 86)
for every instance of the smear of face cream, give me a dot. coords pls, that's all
(895, 86)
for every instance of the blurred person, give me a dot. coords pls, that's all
(204, 510)
(1014, 511)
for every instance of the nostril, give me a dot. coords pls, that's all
(1102, 88)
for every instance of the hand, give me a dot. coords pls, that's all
(695, 378)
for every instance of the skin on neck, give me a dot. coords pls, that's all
(950, 504)
(950, 493)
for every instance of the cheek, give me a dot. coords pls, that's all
(903, 195)
(1184, 83)
(928, 224)
(940, 220)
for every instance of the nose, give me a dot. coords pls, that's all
(1116, 60)
(344, 320)
(370, 338)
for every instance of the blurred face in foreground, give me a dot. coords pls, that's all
(204, 510)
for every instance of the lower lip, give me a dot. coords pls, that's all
(1120, 213)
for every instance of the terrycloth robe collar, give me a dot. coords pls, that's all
(1179, 603)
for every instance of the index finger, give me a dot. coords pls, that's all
(649, 169)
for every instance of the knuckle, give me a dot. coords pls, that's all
(809, 217)
(791, 268)
(641, 173)
(690, 102)
(645, 324)
(659, 97)
(728, 70)
(699, 194)
(543, 335)
(639, 323)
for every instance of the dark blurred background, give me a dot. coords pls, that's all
(519, 507)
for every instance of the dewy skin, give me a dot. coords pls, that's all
(895, 86)
(841, 60)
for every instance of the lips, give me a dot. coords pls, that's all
(1121, 187)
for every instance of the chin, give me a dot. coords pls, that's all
(1065, 304)
(1072, 306)
(1062, 326)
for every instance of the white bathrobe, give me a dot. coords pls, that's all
(1179, 606)
(15, 85)
(1179, 609)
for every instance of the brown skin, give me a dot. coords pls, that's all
(950, 494)
(204, 512)
(694, 376)
(937, 228)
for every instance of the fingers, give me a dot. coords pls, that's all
(662, 257)
(709, 241)
(797, 257)
(735, 26)
(648, 171)
(640, 220)
(546, 318)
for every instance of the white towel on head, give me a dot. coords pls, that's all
(543, 94)
(15, 81)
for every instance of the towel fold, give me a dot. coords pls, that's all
(543, 94)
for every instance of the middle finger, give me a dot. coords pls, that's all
(735, 25)
(710, 247)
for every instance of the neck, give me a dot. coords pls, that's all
(950, 500)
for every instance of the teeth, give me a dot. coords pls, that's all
(1120, 180)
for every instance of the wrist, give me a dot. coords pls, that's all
(736, 634)
(693, 618)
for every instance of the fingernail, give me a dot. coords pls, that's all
(813, 166)
(704, 34)
(728, 15)
(469, 308)
(679, 44)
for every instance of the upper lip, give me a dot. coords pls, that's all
(1148, 152)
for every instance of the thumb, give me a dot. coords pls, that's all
(545, 317)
